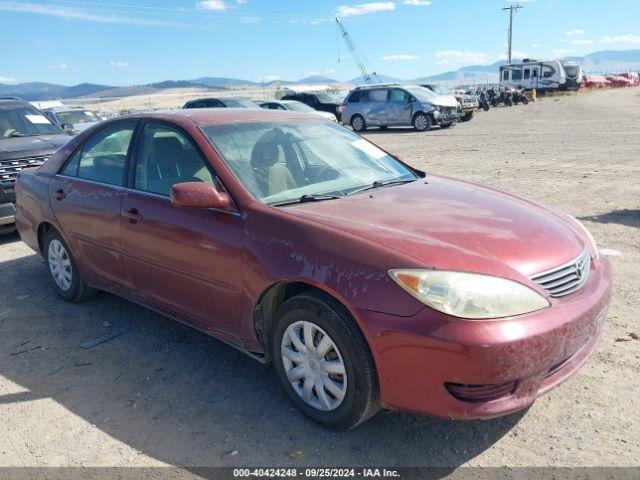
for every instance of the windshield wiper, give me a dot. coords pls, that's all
(306, 199)
(382, 183)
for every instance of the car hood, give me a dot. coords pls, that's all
(79, 127)
(20, 145)
(327, 115)
(452, 225)
(446, 101)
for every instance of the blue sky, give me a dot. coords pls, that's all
(124, 42)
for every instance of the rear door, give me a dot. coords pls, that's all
(376, 107)
(185, 260)
(85, 197)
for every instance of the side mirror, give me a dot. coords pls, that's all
(199, 195)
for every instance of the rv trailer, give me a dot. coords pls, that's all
(545, 76)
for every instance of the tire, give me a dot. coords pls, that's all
(358, 124)
(467, 116)
(63, 270)
(383, 127)
(525, 100)
(446, 125)
(356, 396)
(421, 122)
(485, 106)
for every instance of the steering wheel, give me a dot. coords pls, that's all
(323, 171)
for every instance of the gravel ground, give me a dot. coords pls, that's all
(164, 394)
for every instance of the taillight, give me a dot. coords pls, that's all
(342, 106)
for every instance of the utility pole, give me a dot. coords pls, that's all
(512, 10)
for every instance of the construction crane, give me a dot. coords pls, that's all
(355, 53)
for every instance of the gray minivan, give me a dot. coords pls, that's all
(398, 105)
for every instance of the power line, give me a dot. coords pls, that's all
(512, 11)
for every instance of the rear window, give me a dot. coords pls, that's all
(355, 97)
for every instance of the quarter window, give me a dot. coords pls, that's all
(103, 157)
(167, 157)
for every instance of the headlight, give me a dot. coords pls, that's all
(593, 247)
(469, 295)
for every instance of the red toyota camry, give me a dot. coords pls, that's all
(366, 283)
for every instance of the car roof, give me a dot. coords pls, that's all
(217, 116)
(64, 109)
(10, 103)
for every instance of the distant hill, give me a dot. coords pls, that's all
(604, 61)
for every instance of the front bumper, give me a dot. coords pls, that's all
(446, 118)
(417, 357)
(7, 204)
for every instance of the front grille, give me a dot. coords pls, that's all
(9, 168)
(566, 278)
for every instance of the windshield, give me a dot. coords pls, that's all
(440, 90)
(423, 94)
(327, 97)
(77, 116)
(571, 70)
(25, 121)
(298, 107)
(240, 103)
(280, 161)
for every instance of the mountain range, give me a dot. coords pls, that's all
(604, 61)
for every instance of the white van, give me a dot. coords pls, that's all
(531, 74)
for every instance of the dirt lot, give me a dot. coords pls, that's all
(163, 394)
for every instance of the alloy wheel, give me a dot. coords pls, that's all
(60, 265)
(421, 122)
(314, 366)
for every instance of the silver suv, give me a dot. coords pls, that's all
(398, 105)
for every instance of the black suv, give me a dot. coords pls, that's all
(325, 102)
(27, 139)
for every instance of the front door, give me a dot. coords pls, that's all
(185, 260)
(85, 197)
(399, 107)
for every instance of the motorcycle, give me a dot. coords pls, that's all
(520, 96)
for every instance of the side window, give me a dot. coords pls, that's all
(547, 72)
(517, 74)
(397, 95)
(379, 95)
(104, 155)
(527, 74)
(166, 157)
(505, 75)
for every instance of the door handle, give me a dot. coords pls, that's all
(60, 194)
(133, 215)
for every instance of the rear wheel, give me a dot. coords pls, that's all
(64, 271)
(358, 123)
(525, 100)
(421, 122)
(324, 362)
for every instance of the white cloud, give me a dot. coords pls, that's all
(577, 31)
(417, 3)
(447, 57)
(241, 2)
(329, 71)
(400, 58)
(250, 20)
(515, 54)
(211, 5)
(562, 52)
(118, 64)
(581, 42)
(78, 14)
(61, 66)
(6, 79)
(364, 8)
(535, 45)
(630, 39)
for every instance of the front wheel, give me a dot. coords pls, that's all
(64, 271)
(525, 100)
(324, 362)
(358, 124)
(421, 122)
(467, 116)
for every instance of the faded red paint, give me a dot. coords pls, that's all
(209, 268)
